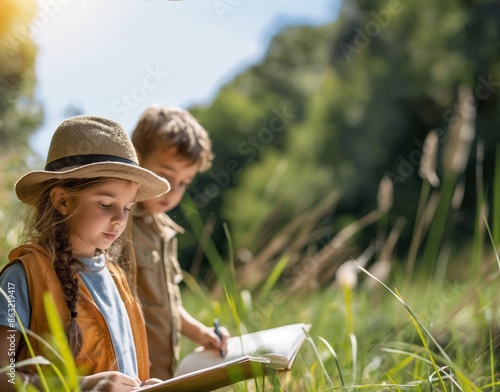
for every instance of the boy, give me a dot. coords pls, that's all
(172, 144)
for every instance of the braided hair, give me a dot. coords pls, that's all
(67, 266)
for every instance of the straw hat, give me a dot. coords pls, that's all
(90, 147)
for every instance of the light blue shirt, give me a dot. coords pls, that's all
(99, 282)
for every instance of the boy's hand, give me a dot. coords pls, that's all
(201, 334)
(210, 340)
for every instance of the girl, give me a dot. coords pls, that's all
(82, 199)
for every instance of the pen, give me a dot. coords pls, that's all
(217, 332)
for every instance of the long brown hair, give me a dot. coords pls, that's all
(50, 229)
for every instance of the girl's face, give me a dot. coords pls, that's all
(178, 171)
(99, 216)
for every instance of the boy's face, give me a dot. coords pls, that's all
(178, 171)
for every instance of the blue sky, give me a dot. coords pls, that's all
(114, 58)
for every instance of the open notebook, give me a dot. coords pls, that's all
(248, 356)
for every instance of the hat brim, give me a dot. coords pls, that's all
(30, 186)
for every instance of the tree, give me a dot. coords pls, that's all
(362, 94)
(19, 113)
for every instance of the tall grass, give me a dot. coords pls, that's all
(428, 333)
(366, 337)
(56, 370)
(397, 330)
(375, 339)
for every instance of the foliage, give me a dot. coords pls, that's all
(437, 330)
(446, 339)
(361, 95)
(302, 142)
(19, 112)
(57, 370)
(362, 338)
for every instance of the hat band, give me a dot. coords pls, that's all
(77, 160)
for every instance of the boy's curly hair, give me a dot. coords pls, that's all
(172, 127)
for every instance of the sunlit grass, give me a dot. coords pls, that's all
(417, 343)
(394, 343)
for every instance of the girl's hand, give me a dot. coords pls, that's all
(111, 381)
(151, 381)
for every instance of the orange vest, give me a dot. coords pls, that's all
(97, 354)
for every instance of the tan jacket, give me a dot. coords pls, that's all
(158, 277)
(97, 354)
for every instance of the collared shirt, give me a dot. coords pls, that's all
(158, 277)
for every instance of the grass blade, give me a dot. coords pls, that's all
(60, 341)
(274, 276)
(421, 329)
(316, 353)
(337, 363)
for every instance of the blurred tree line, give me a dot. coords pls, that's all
(19, 113)
(340, 106)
